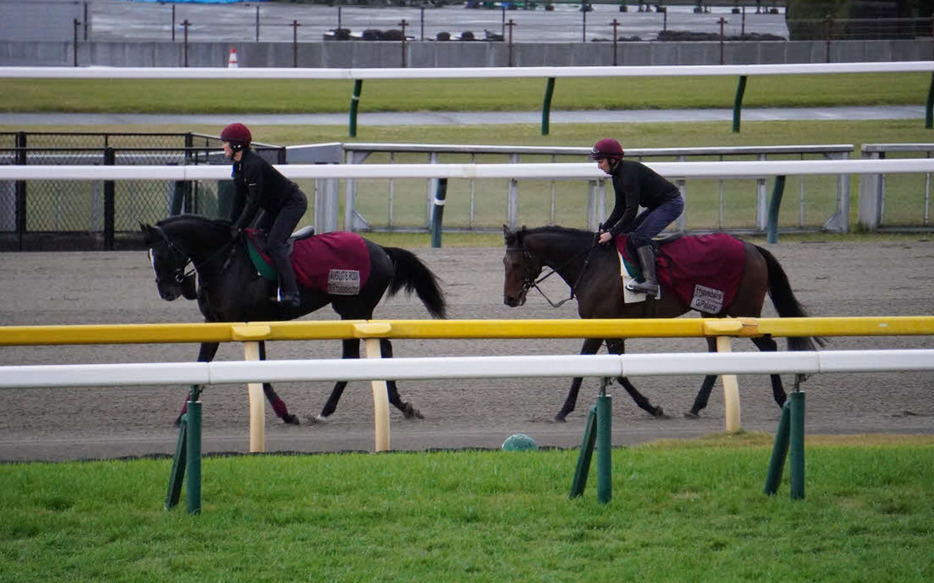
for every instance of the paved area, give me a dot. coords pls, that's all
(474, 118)
(274, 22)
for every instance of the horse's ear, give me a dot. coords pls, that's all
(147, 232)
(506, 232)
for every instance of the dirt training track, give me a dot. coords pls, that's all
(831, 279)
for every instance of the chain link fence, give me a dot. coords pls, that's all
(53, 214)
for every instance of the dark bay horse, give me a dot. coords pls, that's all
(230, 290)
(593, 273)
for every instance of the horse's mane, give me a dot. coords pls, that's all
(557, 229)
(200, 221)
(514, 237)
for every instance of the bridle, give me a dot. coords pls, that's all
(529, 280)
(181, 272)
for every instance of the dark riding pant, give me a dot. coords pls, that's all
(651, 222)
(283, 224)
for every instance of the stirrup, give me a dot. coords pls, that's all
(644, 288)
(289, 300)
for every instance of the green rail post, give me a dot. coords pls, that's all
(178, 466)
(929, 107)
(546, 105)
(583, 460)
(604, 449)
(437, 212)
(796, 440)
(779, 453)
(738, 103)
(774, 206)
(354, 104)
(193, 455)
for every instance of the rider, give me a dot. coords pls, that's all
(273, 203)
(636, 184)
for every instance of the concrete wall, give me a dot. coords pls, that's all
(48, 20)
(360, 54)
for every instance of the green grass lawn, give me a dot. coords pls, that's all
(681, 511)
(320, 96)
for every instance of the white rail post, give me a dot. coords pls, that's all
(730, 384)
(730, 388)
(371, 333)
(257, 408)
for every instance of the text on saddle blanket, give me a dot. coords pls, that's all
(704, 271)
(337, 263)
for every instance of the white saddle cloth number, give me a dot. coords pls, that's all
(344, 282)
(707, 299)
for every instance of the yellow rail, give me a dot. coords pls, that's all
(341, 329)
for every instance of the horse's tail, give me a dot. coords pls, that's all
(411, 274)
(785, 302)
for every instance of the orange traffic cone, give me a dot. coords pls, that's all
(232, 62)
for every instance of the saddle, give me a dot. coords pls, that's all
(337, 263)
(703, 271)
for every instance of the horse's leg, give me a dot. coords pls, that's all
(385, 348)
(768, 344)
(278, 405)
(206, 353)
(591, 346)
(351, 350)
(703, 395)
(618, 346)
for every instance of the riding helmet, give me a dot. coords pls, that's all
(238, 135)
(606, 149)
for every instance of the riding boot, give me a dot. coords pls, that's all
(288, 290)
(649, 284)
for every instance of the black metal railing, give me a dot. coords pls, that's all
(105, 214)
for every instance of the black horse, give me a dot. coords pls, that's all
(593, 273)
(230, 290)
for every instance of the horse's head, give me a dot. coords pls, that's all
(169, 261)
(521, 268)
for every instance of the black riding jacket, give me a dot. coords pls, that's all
(262, 186)
(636, 184)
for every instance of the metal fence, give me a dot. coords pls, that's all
(39, 214)
(405, 204)
(900, 202)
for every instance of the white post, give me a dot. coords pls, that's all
(380, 400)
(257, 408)
(762, 200)
(730, 388)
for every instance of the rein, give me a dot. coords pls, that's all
(533, 283)
(181, 274)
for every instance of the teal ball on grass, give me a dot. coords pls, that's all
(519, 442)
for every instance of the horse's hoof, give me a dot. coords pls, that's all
(691, 415)
(178, 421)
(291, 419)
(560, 417)
(316, 419)
(410, 412)
(660, 413)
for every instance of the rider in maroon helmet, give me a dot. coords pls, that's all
(273, 203)
(637, 185)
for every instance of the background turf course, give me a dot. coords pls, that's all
(681, 511)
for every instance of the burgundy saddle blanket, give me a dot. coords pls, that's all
(702, 270)
(337, 263)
